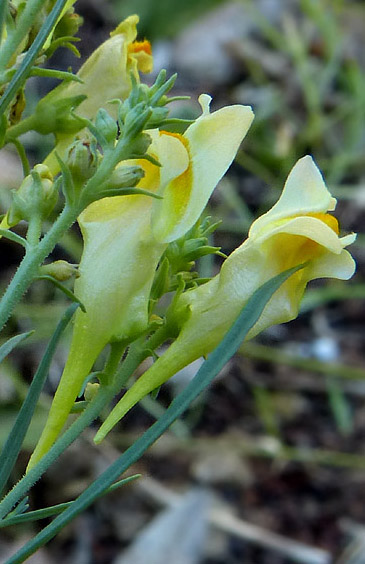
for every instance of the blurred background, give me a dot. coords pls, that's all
(268, 467)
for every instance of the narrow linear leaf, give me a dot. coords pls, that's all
(63, 289)
(53, 73)
(15, 439)
(21, 74)
(22, 506)
(13, 237)
(7, 347)
(123, 192)
(56, 509)
(205, 375)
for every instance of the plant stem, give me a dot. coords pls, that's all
(25, 22)
(103, 397)
(19, 128)
(28, 268)
(87, 417)
(34, 230)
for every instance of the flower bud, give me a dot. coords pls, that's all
(105, 76)
(91, 390)
(106, 126)
(140, 144)
(136, 119)
(125, 176)
(158, 116)
(37, 196)
(68, 25)
(54, 115)
(83, 159)
(61, 270)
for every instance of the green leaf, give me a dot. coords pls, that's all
(15, 439)
(7, 347)
(13, 237)
(54, 73)
(123, 192)
(15, 519)
(24, 69)
(63, 289)
(211, 367)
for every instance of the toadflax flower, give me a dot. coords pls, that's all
(105, 75)
(125, 237)
(297, 229)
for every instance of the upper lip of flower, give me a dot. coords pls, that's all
(308, 226)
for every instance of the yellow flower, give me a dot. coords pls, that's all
(296, 230)
(105, 76)
(125, 237)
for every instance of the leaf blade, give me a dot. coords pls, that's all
(15, 439)
(215, 362)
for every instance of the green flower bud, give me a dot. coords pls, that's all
(124, 176)
(136, 119)
(140, 144)
(37, 196)
(83, 160)
(61, 270)
(106, 126)
(54, 115)
(157, 117)
(68, 25)
(91, 390)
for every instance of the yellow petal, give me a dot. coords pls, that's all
(308, 227)
(304, 192)
(340, 266)
(212, 142)
(169, 149)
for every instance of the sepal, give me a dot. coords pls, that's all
(36, 196)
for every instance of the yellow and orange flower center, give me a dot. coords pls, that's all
(138, 46)
(141, 52)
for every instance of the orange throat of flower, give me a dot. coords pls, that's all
(141, 51)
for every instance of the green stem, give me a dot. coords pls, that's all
(23, 25)
(34, 230)
(87, 417)
(28, 268)
(116, 351)
(22, 155)
(104, 396)
(18, 129)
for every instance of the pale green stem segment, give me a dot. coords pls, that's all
(87, 417)
(15, 37)
(28, 268)
(105, 394)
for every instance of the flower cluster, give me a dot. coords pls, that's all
(125, 237)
